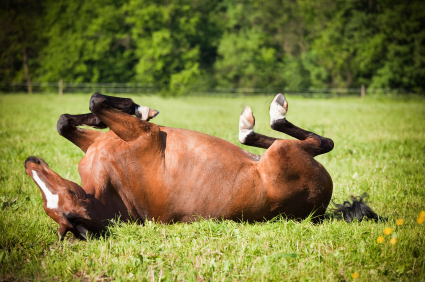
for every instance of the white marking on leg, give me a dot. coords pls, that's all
(277, 111)
(245, 128)
(142, 112)
(52, 199)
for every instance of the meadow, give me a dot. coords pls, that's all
(379, 149)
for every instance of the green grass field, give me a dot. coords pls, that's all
(379, 149)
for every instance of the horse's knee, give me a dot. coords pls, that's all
(64, 124)
(319, 145)
(97, 102)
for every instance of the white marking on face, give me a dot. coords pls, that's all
(142, 112)
(245, 128)
(52, 199)
(276, 112)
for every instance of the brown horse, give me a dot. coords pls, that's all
(141, 171)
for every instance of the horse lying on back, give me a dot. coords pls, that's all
(141, 171)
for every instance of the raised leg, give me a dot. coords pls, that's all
(82, 138)
(247, 136)
(315, 144)
(116, 114)
(127, 105)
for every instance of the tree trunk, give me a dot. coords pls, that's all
(61, 86)
(26, 71)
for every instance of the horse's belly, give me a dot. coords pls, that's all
(215, 187)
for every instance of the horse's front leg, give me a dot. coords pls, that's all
(119, 119)
(82, 138)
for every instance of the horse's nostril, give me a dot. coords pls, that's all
(32, 159)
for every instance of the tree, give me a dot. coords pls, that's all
(379, 43)
(184, 44)
(89, 41)
(175, 41)
(20, 41)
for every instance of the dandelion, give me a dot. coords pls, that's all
(355, 275)
(399, 222)
(421, 217)
(388, 231)
(393, 241)
(380, 239)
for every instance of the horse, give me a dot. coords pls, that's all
(140, 171)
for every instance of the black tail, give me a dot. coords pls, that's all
(356, 210)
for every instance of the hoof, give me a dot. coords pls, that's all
(246, 124)
(278, 108)
(145, 113)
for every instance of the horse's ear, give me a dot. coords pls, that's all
(83, 232)
(78, 230)
(77, 220)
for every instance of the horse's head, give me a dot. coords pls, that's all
(64, 201)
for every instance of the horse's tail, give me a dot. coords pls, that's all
(357, 210)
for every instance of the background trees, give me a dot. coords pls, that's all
(20, 39)
(180, 44)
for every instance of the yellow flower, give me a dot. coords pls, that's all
(393, 241)
(380, 239)
(399, 221)
(355, 275)
(421, 217)
(388, 231)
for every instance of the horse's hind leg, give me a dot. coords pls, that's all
(247, 136)
(315, 144)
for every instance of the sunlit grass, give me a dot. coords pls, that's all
(379, 149)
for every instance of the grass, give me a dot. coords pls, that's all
(379, 149)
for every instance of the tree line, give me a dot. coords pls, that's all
(180, 44)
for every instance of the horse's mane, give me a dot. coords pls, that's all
(357, 210)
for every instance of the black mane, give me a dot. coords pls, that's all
(358, 210)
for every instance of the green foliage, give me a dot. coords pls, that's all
(173, 40)
(89, 41)
(246, 55)
(379, 149)
(379, 43)
(19, 36)
(186, 44)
